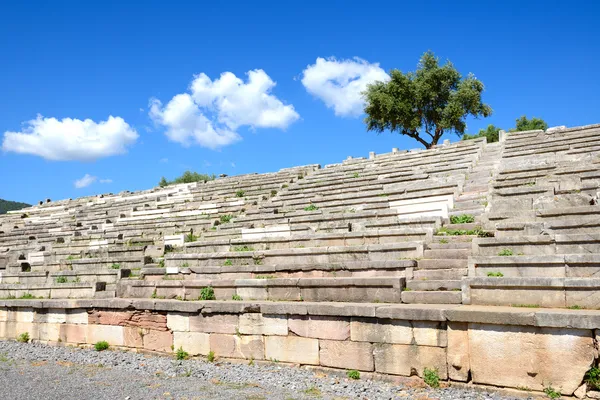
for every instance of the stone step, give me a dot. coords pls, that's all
(107, 294)
(453, 238)
(431, 297)
(439, 274)
(474, 211)
(447, 254)
(433, 285)
(466, 204)
(449, 245)
(444, 263)
(475, 188)
(467, 227)
(358, 290)
(481, 196)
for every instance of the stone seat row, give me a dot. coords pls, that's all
(363, 289)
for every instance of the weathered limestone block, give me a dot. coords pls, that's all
(178, 322)
(21, 315)
(346, 354)
(429, 333)
(194, 343)
(3, 315)
(259, 324)
(320, 327)
(214, 323)
(515, 356)
(368, 330)
(292, 349)
(157, 340)
(75, 334)
(236, 346)
(407, 360)
(114, 335)
(562, 201)
(458, 351)
(51, 316)
(77, 316)
(139, 319)
(253, 293)
(49, 332)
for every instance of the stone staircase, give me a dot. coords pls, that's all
(437, 279)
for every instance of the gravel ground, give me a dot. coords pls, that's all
(36, 371)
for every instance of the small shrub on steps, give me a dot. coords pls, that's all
(462, 219)
(207, 293)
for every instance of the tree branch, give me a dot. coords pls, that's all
(415, 135)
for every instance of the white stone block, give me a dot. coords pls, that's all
(423, 207)
(174, 240)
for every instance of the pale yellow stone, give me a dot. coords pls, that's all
(23, 327)
(114, 335)
(346, 354)
(429, 333)
(195, 343)
(407, 360)
(178, 322)
(71, 333)
(236, 346)
(54, 316)
(3, 315)
(516, 356)
(77, 316)
(458, 351)
(368, 330)
(292, 349)
(214, 323)
(24, 315)
(320, 327)
(50, 332)
(259, 324)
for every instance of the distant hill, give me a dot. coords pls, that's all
(6, 206)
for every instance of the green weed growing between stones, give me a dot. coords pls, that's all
(431, 377)
(101, 345)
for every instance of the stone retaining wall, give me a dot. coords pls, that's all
(501, 346)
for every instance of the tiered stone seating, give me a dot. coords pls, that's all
(311, 265)
(545, 210)
(338, 234)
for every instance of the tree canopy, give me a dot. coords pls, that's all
(6, 206)
(524, 124)
(186, 177)
(425, 104)
(492, 133)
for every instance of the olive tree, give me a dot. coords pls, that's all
(425, 104)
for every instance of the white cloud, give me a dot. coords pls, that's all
(164, 160)
(339, 83)
(212, 111)
(71, 139)
(105, 180)
(233, 164)
(86, 181)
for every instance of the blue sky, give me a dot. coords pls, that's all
(91, 60)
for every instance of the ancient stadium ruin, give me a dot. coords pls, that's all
(473, 259)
